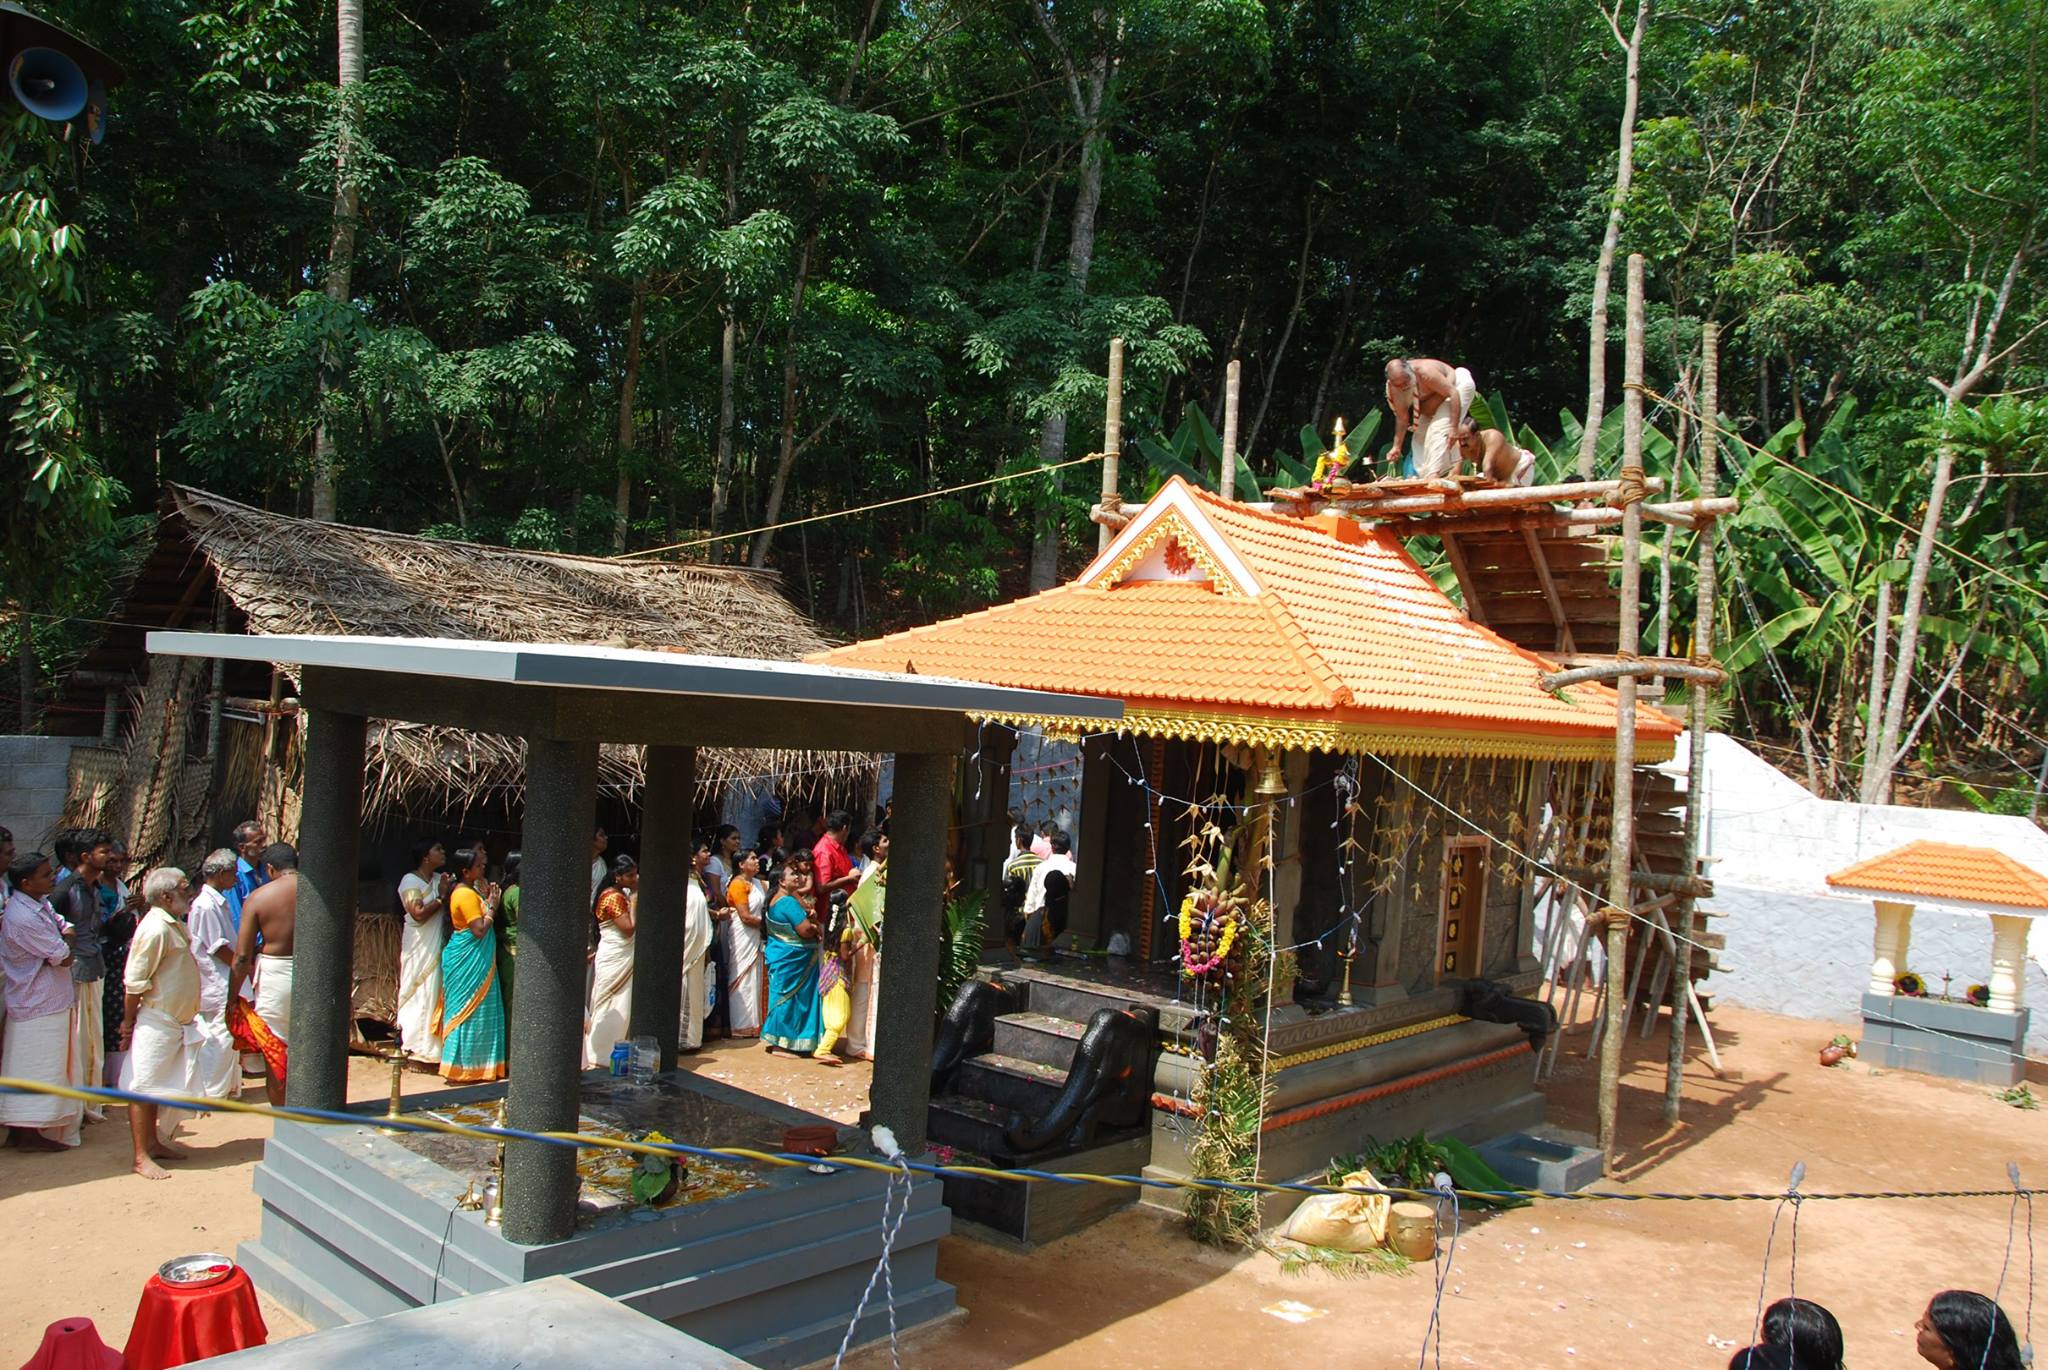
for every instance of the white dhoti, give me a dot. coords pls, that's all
(744, 970)
(1525, 467)
(274, 994)
(163, 1058)
(43, 1049)
(220, 1064)
(696, 1002)
(89, 1040)
(1432, 445)
(865, 991)
(611, 997)
(419, 988)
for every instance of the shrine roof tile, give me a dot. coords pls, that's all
(1945, 870)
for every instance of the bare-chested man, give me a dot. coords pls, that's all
(1430, 398)
(270, 911)
(1498, 459)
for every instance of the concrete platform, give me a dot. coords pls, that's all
(1935, 1037)
(550, 1324)
(358, 1225)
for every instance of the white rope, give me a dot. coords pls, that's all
(885, 1142)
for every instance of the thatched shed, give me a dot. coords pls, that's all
(192, 747)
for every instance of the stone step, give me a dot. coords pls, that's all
(967, 1124)
(1039, 1037)
(1079, 1000)
(1025, 1086)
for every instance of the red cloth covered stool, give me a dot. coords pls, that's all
(74, 1344)
(178, 1324)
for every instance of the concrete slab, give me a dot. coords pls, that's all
(550, 1324)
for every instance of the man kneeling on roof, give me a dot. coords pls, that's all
(1497, 458)
(1430, 398)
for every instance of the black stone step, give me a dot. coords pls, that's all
(1037, 1213)
(1025, 1086)
(1039, 1037)
(1079, 1001)
(972, 1125)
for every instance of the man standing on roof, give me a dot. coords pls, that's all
(1430, 398)
(1497, 458)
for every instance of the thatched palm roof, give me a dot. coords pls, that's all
(280, 574)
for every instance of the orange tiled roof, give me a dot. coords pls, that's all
(1319, 623)
(1943, 870)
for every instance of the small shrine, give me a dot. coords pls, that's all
(1395, 782)
(1979, 1034)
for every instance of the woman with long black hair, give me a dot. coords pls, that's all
(1962, 1330)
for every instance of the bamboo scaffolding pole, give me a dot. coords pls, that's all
(1373, 500)
(1112, 445)
(1621, 827)
(1634, 666)
(1227, 480)
(1696, 757)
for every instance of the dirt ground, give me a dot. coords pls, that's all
(1598, 1284)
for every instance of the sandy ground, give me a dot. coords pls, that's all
(1608, 1284)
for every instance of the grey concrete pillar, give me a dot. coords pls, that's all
(915, 922)
(665, 808)
(547, 1013)
(324, 937)
(1091, 850)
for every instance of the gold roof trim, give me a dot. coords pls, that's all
(1334, 736)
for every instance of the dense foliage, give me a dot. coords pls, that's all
(624, 275)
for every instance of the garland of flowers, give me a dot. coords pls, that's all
(1218, 923)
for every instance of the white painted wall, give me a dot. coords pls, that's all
(1797, 948)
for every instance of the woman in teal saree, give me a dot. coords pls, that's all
(795, 1018)
(473, 1029)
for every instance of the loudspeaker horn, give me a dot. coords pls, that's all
(48, 84)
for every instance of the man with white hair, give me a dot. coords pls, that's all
(1430, 398)
(160, 1019)
(211, 926)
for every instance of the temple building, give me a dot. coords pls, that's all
(1427, 791)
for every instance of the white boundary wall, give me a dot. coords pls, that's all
(1794, 946)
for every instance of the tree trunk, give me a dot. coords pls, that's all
(721, 466)
(25, 682)
(787, 461)
(341, 247)
(1969, 374)
(1624, 174)
(1308, 237)
(1052, 438)
(629, 389)
(1873, 726)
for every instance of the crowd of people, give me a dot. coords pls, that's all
(135, 987)
(179, 986)
(780, 943)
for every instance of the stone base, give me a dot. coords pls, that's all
(357, 1225)
(1934, 1037)
(1031, 1214)
(1546, 1158)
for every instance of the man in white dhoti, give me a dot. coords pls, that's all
(1496, 456)
(160, 1020)
(1045, 902)
(36, 961)
(1430, 398)
(422, 909)
(270, 915)
(696, 947)
(210, 924)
